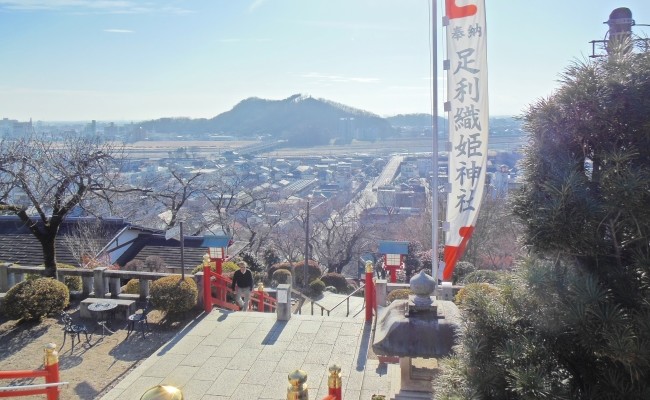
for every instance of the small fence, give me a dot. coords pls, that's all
(50, 372)
(97, 282)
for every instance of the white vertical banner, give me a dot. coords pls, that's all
(467, 109)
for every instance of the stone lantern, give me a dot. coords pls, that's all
(418, 331)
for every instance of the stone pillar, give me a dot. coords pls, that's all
(86, 285)
(144, 285)
(283, 309)
(115, 287)
(381, 288)
(100, 284)
(447, 291)
(198, 277)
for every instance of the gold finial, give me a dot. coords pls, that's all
(368, 266)
(51, 355)
(334, 379)
(161, 392)
(260, 287)
(206, 259)
(297, 389)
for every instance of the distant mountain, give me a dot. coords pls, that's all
(411, 120)
(301, 120)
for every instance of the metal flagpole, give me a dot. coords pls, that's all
(434, 156)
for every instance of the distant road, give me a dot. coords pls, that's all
(203, 148)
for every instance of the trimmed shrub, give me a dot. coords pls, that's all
(73, 283)
(401, 294)
(36, 298)
(282, 276)
(336, 280)
(316, 287)
(461, 269)
(474, 292)
(173, 295)
(482, 275)
(228, 266)
(132, 287)
(313, 271)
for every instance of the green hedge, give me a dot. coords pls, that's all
(35, 298)
(173, 295)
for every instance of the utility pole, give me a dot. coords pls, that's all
(182, 251)
(306, 264)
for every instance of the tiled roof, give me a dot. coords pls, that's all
(18, 245)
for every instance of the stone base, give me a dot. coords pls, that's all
(413, 378)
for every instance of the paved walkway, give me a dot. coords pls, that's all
(338, 305)
(248, 355)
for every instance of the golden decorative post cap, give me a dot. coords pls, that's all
(162, 392)
(297, 389)
(206, 259)
(51, 355)
(369, 266)
(260, 287)
(334, 380)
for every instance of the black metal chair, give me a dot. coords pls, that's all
(139, 318)
(72, 329)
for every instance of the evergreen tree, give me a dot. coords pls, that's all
(573, 321)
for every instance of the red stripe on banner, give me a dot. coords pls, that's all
(453, 253)
(454, 11)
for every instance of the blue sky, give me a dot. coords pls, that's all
(135, 60)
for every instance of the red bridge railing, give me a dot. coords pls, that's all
(216, 288)
(50, 372)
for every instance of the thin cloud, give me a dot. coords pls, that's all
(90, 6)
(337, 78)
(255, 5)
(118, 31)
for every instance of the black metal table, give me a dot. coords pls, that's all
(103, 310)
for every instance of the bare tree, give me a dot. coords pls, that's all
(338, 236)
(83, 243)
(233, 196)
(41, 181)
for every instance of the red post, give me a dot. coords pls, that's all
(393, 273)
(260, 298)
(369, 291)
(52, 368)
(207, 291)
(334, 382)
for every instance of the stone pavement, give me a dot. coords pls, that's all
(338, 305)
(248, 355)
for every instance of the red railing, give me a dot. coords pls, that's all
(50, 372)
(215, 292)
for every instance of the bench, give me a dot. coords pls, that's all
(123, 310)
